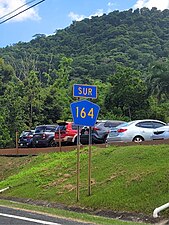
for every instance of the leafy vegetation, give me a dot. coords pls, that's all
(124, 53)
(131, 178)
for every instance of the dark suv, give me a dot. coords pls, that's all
(99, 131)
(26, 138)
(44, 136)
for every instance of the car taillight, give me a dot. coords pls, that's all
(43, 136)
(29, 137)
(61, 133)
(96, 128)
(121, 130)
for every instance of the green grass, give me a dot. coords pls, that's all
(130, 178)
(68, 214)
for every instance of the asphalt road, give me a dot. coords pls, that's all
(9, 216)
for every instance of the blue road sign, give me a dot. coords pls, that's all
(84, 113)
(85, 91)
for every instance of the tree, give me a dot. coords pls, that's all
(58, 96)
(6, 75)
(4, 131)
(127, 94)
(11, 107)
(159, 80)
(32, 97)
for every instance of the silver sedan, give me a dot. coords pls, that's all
(137, 131)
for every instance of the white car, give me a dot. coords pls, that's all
(137, 131)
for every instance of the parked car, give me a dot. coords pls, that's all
(26, 138)
(99, 131)
(44, 136)
(161, 133)
(68, 133)
(137, 131)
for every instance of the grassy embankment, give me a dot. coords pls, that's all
(131, 178)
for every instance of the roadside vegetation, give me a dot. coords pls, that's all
(128, 178)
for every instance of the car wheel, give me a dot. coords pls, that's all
(34, 145)
(57, 144)
(30, 145)
(105, 139)
(52, 143)
(138, 139)
(75, 141)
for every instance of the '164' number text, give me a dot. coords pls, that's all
(82, 113)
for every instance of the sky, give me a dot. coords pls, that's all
(47, 16)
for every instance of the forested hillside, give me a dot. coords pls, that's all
(125, 54)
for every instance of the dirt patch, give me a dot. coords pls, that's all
(69, 187)
(126, 216)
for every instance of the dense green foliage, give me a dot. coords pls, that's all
(126, 54)
(128, 178)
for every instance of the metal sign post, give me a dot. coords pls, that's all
(59, 140)
(89, 164)
(16, 141)
(78, 164)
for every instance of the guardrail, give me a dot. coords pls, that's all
(36, 151)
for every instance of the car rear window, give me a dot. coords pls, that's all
(61, 127)
(99, 124)
(39, 129)
(113, 123)
(45, 129)
(26, 133)
(126, 124)
(50, 129)
(74, 126)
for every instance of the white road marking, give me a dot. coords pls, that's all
(29, 219)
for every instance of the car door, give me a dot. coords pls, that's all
(146, 129)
